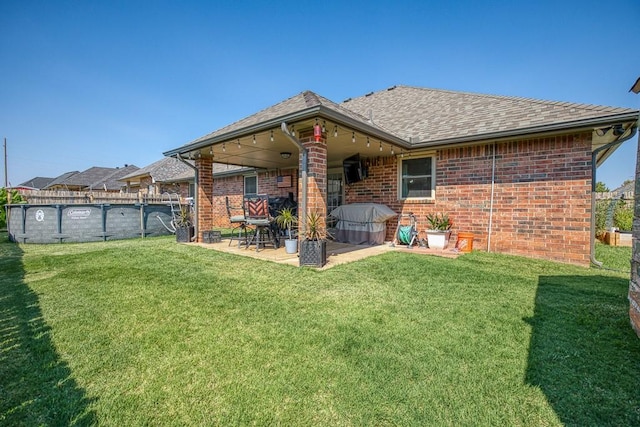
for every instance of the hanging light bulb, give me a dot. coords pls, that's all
(271, 135)
(324, 126)
(211, 151)
(224, 147)
(353, 137)
(380, 145)
(368, 142)
(293, 130)
(239, 146)
(401, 153)
(335, 131)
(254, 139)
(392, 151)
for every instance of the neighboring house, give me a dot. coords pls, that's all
(37, 183)
(92, 179)
(167, 175)
(515, 172)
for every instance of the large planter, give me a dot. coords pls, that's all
(184, 234)
(437, 239)
(313, 253)
(291, 246)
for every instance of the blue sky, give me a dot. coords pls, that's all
(108, 83)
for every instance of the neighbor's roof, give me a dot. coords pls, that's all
(94, 178)
(428, 115)
(38, 182)
(166, 169)
(61, 179)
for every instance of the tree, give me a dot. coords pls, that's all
(601, 187)
(4, 199)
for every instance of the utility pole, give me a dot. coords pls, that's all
(6, 173)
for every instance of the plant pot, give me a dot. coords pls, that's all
(184, 234)
(313, 253)
(291, 246)
(437, 239)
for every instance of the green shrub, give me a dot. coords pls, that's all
(623, 216)
(4, 199)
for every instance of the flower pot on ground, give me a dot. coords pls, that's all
(184, 226)
(287, 219)
(439, 230)
(313, 248)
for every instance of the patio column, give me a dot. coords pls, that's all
(205, 195)
(317, 174)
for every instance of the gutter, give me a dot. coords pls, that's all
(196, 182)
(304, 170)
(594, 155)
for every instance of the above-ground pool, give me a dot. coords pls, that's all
(86, 223)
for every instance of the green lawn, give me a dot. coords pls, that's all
(149, 332)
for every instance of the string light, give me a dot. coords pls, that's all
(293, 130)
(254, 139)
(392, 151)
(272, 135)
(335, 131)
(368, 142)
(324, 128)
(380, 145)
(211, 150)
(353, 137)
(239, 146)
(224, 146)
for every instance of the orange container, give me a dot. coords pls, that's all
(465, 242)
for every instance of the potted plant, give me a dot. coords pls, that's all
(286, 219)
(313, 248)
(184, 225)
(439, 230)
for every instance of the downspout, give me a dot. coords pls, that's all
(592, 239)
(303, 174)
(196, 184)
(493, 181)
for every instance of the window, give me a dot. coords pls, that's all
(251, 184)
(417, 178)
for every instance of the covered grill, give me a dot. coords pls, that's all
(362, 223)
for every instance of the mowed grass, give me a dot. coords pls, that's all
(149, 332)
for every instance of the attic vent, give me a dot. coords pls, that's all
(369, 94)
(392, 88)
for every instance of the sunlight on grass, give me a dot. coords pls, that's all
(156, 333)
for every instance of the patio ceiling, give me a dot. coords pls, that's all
(263, 148)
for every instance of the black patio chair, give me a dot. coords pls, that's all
(238, 222)
(256, 209)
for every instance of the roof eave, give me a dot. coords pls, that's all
(577, 125)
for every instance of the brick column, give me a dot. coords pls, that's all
(634, 284)
(205, 195)
(316, 176)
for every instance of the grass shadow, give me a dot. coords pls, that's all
(583, 354)
(36, 386)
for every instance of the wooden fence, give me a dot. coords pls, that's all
(48, 197)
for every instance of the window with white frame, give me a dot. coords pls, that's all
(416, 177)
(251, 184)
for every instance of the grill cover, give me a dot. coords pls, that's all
(362, 223)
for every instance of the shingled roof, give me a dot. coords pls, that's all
(37, 182)
(94, 178)
(428, 115)
(166, 169)
(296, 104)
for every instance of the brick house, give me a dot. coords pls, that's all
(515, 172)
(167, 175)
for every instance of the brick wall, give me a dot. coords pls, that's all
(233, 187)
(542, 205)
